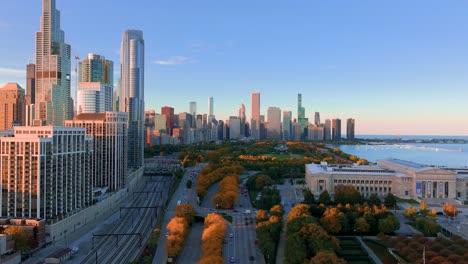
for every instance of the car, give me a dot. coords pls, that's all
(251, 258)
(231, 235)
(439, 213)
(234, 211)
(240, 205)
(256, 242)
(167, 233)
(232, 260)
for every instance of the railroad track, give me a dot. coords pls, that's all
(124, 242)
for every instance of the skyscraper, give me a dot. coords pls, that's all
(327, 130)
(350, 129)
(193, 112)
(274, 123)
(255, 116)
(132, 59)
(336, 129)
(317, 119)
(95, 68)
(30, 84)
(242, 118)
(12, 105)
(169, 113)
(210, 107)
(301, 119)
(94, 97)
(287, 115)
(52, 93)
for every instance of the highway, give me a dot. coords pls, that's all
(124, 242)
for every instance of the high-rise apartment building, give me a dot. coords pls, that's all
(95, 68)
(315, 132)
(327, 130)
(234, 127)
(274, 123)
(287, 125)
(350, 122)
(12, 106)
(109, 132)
(52, 93)
(132, 59)
(336, 129)
(193, 112)
(46, 172)
(210, 107)
(255, 116)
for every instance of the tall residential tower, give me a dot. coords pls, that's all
(255, 116)
(132, 61)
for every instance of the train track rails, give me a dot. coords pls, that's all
(124, 242)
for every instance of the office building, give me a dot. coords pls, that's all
(210, 107)
(149, 126)
(169, 113)
(255, 116)
(132, 59)
(243, 119)
(30, 84)
(287, 125)
(160, 123)
(234, 127)
(336, 129)
(12, 103)
(350, 129)
(52, 89)
(301, 119)
(46, 172)
(317, 119)
(109, 133)
(94, 97)
(274, 123)
(327, 130)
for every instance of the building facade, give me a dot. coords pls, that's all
(94, 97)
(401, 178)
(350, 122)
(274, 123)
(132, 88)
(12, 106)
(45, 172)
(255, 116)
(287, 125)
(336, 129)
(109, 131)
(52, 93)
(315, 133)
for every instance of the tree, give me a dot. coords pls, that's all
(390, 201)
(427, 227)
(277, 210)
(298, 211)
(325, 198)
(295, 251)
(316, 239)
(389, 224)
(374, 199)
(361, 225)
(186, 211)
(23, 240)
(410, 212)
(309, 198)
(326, 257)
(331, 224)
(450, 209)
(261, 216)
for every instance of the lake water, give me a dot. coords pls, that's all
(450, 155)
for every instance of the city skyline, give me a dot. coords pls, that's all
(385, 68)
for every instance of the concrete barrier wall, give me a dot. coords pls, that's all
(96, 213)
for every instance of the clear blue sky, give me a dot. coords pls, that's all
(397, 67)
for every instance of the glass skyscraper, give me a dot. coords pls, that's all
(52, 93)
(132, 61)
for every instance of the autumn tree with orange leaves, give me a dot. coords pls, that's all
(450, 209)
(212, 239)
